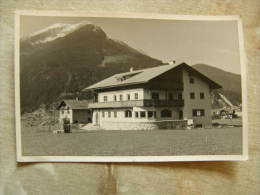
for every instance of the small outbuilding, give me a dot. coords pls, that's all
(76, 111)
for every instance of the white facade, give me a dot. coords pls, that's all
(142, 94)
(109, 118)
(128, 108)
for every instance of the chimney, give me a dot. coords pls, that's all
(131, 69)
(172, 62)
(77, 96)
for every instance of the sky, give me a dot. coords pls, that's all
(195, 42)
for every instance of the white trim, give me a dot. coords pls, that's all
(131, 158)
(21, 158)
(126, 15)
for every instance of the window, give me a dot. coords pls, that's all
(202, 95)
(103, 114)
(115, 98)
(62, 111)
(155, 96)
(136, 114)
(180, 114)
(128, 113)
(198, 126)
(192, 95)
(136, 96)
(191, 80)
(198, 112)
(142, 114)
(166, 113)
(128, 96)
(151, 114)
(179, 96)
(68, 111)
(170, 96)
(109, 114)
(121, 97)
(105, 98)
(115, 114)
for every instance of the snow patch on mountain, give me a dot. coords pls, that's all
(56, 31)
(54, 27)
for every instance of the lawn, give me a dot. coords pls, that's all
(219, 141)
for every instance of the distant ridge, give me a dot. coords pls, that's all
(230, 82)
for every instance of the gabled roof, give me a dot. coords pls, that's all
(74, 104)
(212, 84)
(144, 76)
(140, 76)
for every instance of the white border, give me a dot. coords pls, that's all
(21, 158)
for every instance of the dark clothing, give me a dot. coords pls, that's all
(66, 125)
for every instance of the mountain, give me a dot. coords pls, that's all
(62, 59)
(230, 82)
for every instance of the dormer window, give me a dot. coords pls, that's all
(126, 76)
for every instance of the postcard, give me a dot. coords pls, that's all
(93, 87)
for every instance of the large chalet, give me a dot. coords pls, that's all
(166, 96)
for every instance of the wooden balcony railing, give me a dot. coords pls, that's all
(137, 103)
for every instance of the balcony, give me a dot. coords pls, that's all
(137, 103)
(178, 103)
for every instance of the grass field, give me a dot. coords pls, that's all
(219, 141)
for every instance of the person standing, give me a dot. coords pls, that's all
(66, 125)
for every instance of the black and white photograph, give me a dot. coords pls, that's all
(122, 88)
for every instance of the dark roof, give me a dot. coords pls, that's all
(74, 104)
(144, 76)
(139, 76)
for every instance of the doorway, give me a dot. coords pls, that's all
(180, 114)
(96, 118)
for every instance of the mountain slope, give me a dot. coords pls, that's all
(63, 59)
(230, 82)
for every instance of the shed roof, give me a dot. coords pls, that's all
(74, 104)
(144, 76)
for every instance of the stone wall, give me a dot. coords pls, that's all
(169, 124)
